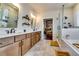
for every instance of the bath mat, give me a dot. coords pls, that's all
(54, 43)
(62, 53)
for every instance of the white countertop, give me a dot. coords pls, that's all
(70, 43)
(14, 34)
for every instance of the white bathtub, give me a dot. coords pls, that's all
(70, 33)
(70, 42)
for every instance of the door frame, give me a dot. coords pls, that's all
(44, 25)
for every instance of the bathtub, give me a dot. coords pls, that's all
(71, 47)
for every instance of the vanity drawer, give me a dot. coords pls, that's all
(6, 41)
(20, 37)
(28, 35)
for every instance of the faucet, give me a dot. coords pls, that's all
(7, 31)
(67, 36)
(12, 30)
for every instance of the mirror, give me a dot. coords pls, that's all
(8, 15)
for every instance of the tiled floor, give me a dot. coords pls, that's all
(42, 48)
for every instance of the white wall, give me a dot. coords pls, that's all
(68, 12)
(76, 14)
(55, 14)
(50, 14)
(73, 32)
(23, 10)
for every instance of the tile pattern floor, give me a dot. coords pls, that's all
(42, 48)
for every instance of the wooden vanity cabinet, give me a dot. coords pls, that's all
(35, 38)
(6, 41)
(11, 50)
(18, 45)
(26, 43)
(20, 37)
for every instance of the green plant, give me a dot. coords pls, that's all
(58, 35)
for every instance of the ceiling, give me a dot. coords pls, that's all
(44, 7)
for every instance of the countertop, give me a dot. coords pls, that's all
(15, 34)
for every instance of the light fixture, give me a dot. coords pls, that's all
(32, 15)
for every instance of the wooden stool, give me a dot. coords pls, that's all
(62, 53)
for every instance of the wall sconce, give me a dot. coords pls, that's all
(32, 16)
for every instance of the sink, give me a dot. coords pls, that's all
(3, 34)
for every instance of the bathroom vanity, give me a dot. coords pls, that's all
(17, 44)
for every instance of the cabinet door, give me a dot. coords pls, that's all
(6, 41)
(19, 37)
(33, 39)
(37, 36)
(11, 50)
(26, 45)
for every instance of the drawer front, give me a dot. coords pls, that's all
(11, 50)
(26, 45)
(6, 41)
(28, 35)
(20, 37)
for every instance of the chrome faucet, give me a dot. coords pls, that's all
(7, 31)
(12, 30)
(67, 36)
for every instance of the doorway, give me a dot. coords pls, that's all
(48, 28)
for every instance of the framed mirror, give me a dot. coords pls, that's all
(8, 15)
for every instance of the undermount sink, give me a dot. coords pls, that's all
(3, 34)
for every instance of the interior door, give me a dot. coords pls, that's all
(48, 28)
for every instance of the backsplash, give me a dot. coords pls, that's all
(27, 29)
(3, 30)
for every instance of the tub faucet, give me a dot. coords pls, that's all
(67, 36)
